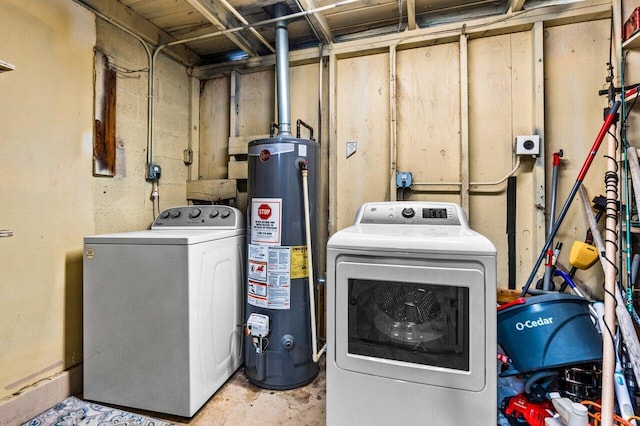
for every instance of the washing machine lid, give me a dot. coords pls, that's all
(164, 236)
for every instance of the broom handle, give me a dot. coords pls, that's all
(610, 275)
(625, 323)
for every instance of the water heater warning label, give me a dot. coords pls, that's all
(269, 276)
(266, 217)
(299, 262)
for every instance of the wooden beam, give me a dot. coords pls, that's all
(193, 170)
(464, 125)
(393, 123)
(515, 5)
(238, 145)
(483, 27)
(539, 230)
(114, 12)
(318, 20)
(261, 63)
(411, 15)
(211, 190)
(333, 144)
(238, 169)
(222, 19)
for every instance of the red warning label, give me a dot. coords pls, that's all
(264, 211)
(266, 216)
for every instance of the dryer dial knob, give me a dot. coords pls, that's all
(194, 213)
(408, 212)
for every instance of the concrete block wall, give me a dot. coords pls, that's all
(123, 203)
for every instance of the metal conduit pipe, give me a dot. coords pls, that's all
(497, 182)
(150, 74)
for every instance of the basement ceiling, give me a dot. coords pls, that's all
(221, 31)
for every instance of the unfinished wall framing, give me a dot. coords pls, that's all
(447, 106)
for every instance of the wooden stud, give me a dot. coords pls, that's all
(539, 228)
(238, 169)
(211, 190)
(464, 125)
(393, 127)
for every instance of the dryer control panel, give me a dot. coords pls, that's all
(412, 213)
(200, 216)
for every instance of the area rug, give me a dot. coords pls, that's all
(76, 412)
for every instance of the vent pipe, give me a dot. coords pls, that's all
(282, 71)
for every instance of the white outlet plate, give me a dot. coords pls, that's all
(528, 145)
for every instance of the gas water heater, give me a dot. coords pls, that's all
(280, 345)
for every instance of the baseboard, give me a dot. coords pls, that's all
(40, 396)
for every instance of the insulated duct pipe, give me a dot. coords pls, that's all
(282, 70)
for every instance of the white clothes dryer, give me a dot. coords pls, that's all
(411, 321)
(163, 310)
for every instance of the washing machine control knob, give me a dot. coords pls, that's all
(194, 213)
(214, 213)
(175, 213)
(164, 214)
(226, 213)
(408, 212)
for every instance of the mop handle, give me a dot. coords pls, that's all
(609, 120)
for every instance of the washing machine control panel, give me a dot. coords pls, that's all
(411, 213)
(200, 216)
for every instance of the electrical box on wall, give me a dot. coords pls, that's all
(528, 145)
(153, 172)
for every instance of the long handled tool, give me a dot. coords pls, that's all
(625, 323)
(609, 120)
(549, 267)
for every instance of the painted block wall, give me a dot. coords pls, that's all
(48, 195)
(46, 187)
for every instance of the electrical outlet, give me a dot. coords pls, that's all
(528, 145)
(153, 172)
(404, 179)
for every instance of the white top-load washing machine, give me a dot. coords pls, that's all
(163, 310)
(411, 321)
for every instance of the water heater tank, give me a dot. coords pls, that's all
(277, 270)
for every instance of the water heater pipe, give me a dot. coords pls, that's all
(282, 70)
(312, 300)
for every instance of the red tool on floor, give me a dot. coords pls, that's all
(521, 411)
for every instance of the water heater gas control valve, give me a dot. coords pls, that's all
(258, 325)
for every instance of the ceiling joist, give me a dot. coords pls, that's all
(481, 27)
(137, 24)
(222, 19)
(318, 21)
(411, 14)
